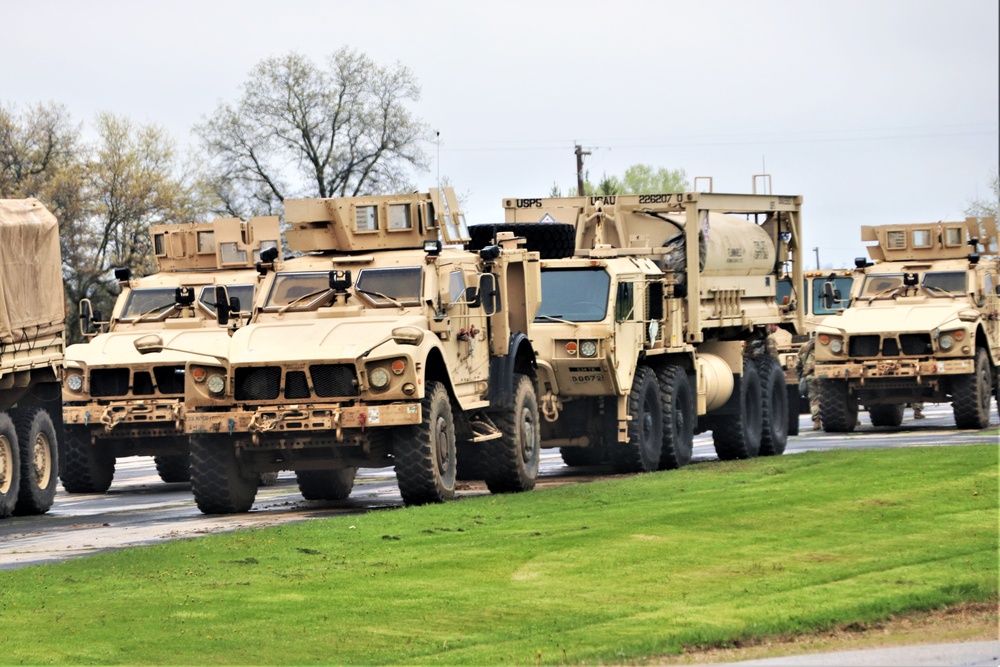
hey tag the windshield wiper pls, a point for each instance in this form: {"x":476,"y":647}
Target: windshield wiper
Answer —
{"x":380,"y":295}
{"x":553,"y":318}
{"x":940,"y":290}
{"x":301,"y":298}
{"x":168,"y":306}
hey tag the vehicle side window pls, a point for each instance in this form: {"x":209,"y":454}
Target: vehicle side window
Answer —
{"x":624,"y":304}
{"x":456,"y":286}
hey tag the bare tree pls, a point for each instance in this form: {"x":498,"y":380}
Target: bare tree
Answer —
{"x":299,"y":130}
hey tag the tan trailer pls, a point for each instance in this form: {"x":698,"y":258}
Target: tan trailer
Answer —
{"x":32,"y":341}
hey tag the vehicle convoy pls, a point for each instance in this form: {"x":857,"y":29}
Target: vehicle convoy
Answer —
{"x":814,"y":309}
{"x":117,"y":403}
{"x":32,"y":342}
{"x":923,"y":326}
{"x":380,"y":346}
{"x":656,"y":326}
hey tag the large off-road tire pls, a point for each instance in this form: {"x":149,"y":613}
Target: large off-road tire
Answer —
{"x":886,"y":415}
{"x":645,"y":428}
{"x":511,"y":461}
{"x":326,"y":484}
{"x":678,"y":417}
{"x":738,"y":436}
{"x":838,"y":407}
{"x":601,"y":430}
{"x":10,"y":466}
{"x":774,"y":404}
{"x":173,"y":468}
{"x":551,"y":240}
{"x":36,"y":437}
{"x":85,"y":467}
{"x":425,"y":453}
{"x":970,"y":394}
{"x":794,"y":408}
{"x":218,"y":481}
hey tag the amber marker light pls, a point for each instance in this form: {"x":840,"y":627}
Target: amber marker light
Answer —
{"x":824,"y":339}
{"x":398,"y":366}
{"x":199,"y":374}
{"x":571,"y":347}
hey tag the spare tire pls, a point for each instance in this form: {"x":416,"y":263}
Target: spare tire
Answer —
{"x":551,"y":240}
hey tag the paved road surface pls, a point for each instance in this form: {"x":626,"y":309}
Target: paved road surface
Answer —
{"x":140,"y":509}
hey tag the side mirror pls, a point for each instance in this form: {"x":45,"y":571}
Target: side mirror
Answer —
{"x":489,"y":295}
{"x":407,"y":336}
{"x":86,"y":317}
{"x":830,"y":296}
{"x":149,"y":344}
{"x":223,"y":305}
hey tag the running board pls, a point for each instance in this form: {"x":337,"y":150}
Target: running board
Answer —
{"x":483,"y":428}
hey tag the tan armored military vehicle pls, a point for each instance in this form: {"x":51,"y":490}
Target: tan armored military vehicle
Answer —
{"x":117,"y":403}
{"x":381,"y":346}
{"x":32,"y":328}
{"x":923,"y":326}
{"x":641,"y":334}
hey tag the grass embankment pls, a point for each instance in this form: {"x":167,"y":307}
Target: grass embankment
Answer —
{"x":602,"y":572}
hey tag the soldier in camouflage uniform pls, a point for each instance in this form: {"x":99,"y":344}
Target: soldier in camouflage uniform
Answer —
{"x":807,"y":380}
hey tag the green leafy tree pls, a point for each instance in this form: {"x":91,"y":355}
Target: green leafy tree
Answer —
{"x":639,"y":179}
{"x":303,"y":130}
{"x":987,"y":206}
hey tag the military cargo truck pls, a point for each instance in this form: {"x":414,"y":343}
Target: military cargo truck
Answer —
{"x":117,"y":403}
{"x":32,"y":341}
{"x":383,"y":345}
{"x":923,"y":326}
{"x":814,"y":309}
{"x":656,"y":327}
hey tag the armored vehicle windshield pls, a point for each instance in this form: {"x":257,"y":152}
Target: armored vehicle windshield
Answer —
{"x":576,"y":295}
{"x":160,"y":303}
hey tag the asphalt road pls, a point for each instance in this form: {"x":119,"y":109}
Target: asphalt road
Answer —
{"x":140,"y":509}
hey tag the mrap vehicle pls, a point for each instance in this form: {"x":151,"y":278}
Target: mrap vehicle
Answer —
{"x":923,"y":326}
{"x":382,"y":345}
{"x":118,"y":403}
{"x":656,"y":326}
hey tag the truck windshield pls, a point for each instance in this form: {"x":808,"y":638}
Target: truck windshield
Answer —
{"x":390,"y":287}
{"x":575,"y":295}
{"x":881,"y":285}
{"x":300,"y":290}
{"x":940,"y":283}
{"x":148,"y":302}
{"x":242,"y":292}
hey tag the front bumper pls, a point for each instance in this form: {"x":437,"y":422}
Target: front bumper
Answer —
{"x":893,"y":368}
{"x":302,"y":418}
{"x":146,"y":418}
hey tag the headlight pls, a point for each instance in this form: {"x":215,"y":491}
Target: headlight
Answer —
{"x":836,"y":346}
{"x":216,"y":384}
{"x":75,"y":382}
{"x":946,"y":342}
{"x":379,"y":378}
{"x":588,"y":348}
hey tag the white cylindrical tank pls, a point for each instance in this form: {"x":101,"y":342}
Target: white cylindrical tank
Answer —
{"x":734,"y":247}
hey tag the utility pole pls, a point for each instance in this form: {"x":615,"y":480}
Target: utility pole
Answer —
{"x":816,"y":250}
{"x":579,"y":168}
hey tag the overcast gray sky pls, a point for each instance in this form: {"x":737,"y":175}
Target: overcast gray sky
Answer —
{"x":876,"y":111}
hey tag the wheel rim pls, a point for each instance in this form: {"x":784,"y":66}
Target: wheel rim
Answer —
{"x":6,"y":465}
{"x":529,"y":445}
{"x":41,"y":459}
{"x":441,"y":445}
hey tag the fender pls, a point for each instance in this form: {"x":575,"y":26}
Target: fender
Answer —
{"x":502,"y":371}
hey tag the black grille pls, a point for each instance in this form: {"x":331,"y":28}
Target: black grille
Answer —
{"x":169,"y":379}
{"x":915,"y":345}
{"x":296,"y":385}
{"x":109,"y":382}
{"x":257,"y":384}
{"x":864,"y":346}
{"x":142,"y":383}
{"x":334,"y":380}
{"x":890,"y":347}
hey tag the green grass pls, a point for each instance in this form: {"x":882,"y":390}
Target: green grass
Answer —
{"x":602,"y":572}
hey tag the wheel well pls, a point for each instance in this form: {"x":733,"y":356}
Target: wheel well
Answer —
{"x":983,"y":342}
{"x":435,"y":370}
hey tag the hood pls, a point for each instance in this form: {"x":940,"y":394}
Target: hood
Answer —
{"x":895,"y":317}
{"x":118,"y":349}
{"x":319,"y":339}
